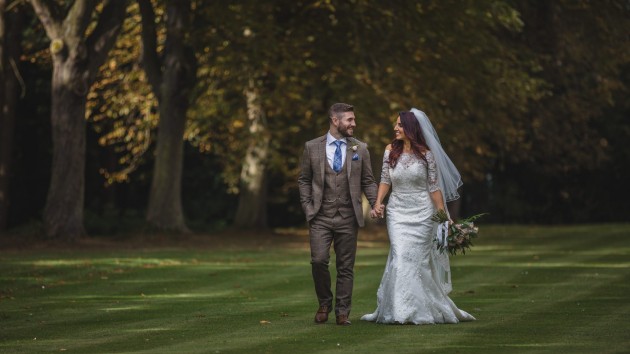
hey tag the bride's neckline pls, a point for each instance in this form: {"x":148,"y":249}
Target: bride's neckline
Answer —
{"x":405,"y":152}
{"x":410,"y":153}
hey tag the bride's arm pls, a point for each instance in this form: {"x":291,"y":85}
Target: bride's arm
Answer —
{"x":434,"y":188}
{"x":437,"y":199}
{"x":383,"y":187}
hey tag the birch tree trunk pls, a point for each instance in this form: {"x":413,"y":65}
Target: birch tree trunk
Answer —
{"x":252,"y":204}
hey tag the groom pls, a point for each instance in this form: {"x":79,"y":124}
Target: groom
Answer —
{"x":335,"y":169}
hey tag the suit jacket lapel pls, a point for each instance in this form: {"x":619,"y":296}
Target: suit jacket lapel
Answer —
{"x":349,"y":153}
{"x":323,"y":159}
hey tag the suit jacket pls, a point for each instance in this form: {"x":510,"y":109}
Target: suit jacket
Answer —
{"x":311,"y":178}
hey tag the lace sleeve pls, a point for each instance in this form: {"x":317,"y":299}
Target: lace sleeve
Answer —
{"x":432,"y":177}
{"x":385,"y":171}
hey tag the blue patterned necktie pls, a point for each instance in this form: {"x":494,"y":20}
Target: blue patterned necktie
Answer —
{"x":337,"y":159}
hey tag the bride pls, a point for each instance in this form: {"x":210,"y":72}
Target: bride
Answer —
{"x":416,"y":281}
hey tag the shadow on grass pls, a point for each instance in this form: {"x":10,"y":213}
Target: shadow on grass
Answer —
{"x":532,"y":290}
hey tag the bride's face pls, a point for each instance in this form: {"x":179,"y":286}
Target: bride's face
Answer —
{"x":399,"y":132}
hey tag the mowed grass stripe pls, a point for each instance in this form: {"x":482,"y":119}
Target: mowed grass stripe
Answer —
{"x":533,"y":290}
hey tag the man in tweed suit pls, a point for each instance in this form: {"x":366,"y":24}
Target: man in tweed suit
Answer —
{"x":335,"y":169}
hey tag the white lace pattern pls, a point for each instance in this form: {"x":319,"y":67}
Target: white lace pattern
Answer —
{"x":412,"y":289}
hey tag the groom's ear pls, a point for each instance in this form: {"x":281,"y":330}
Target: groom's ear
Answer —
{"x":334,"y":120}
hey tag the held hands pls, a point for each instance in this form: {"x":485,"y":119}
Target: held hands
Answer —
{"x":378,"y":211}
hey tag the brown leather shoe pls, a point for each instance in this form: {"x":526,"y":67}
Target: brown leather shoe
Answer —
{"x":322,"y":314}
{"x":342,"y":320}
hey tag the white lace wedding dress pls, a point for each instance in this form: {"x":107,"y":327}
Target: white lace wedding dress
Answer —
{"x":416,"y":280}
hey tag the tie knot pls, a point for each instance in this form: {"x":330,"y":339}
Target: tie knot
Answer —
{"x":338,"y":143}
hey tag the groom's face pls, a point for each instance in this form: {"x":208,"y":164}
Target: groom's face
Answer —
{"x":346,"y":123}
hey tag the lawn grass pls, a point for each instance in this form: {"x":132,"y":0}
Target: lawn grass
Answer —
{"x":532,"y":289}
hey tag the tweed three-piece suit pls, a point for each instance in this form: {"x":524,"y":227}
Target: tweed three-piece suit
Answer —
{"x":332,"y":203}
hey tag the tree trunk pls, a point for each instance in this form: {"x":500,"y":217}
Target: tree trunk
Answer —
{"x":172,"y":85}
{"x":76,"y":59}
{"x":63,"y":214}
{"x":6,"y":126}
{"x":165,"y":203}
{"x":10,"y":50}
{"x":252,"y":204}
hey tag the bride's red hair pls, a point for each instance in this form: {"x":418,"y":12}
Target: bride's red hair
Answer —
{"x":413,"y":132}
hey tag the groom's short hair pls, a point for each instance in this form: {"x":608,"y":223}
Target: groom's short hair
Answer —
{"x":337,"y":108}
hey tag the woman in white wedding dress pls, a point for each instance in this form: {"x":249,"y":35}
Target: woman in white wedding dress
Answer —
{"x":416,"y":282}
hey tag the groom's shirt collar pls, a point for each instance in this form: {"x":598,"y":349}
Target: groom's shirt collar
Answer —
{"x":331,"y":139}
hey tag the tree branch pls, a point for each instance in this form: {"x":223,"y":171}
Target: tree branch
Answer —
{"x":150,"y":61}
{"x":78,"y":18}
{"x":102,"y":39}
{"x":43,"y":11}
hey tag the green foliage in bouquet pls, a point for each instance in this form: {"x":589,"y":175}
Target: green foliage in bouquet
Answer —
{"x":460,"y":234}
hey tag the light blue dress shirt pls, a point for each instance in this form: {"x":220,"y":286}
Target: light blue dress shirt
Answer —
{"x":331,"y":147}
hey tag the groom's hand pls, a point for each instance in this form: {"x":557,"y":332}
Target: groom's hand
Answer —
{"x":381,"y":211}
{"x":378,"y":211}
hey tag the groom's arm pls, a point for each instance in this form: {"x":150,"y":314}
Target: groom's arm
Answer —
{"x":305,"y":182}
{"x":368,"y":183}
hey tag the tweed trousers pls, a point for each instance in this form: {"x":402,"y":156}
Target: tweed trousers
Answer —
{"x":342,"y":234}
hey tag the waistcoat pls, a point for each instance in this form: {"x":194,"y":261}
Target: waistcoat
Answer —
{"x":336,"y":196}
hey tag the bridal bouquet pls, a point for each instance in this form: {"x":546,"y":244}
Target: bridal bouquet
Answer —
{"x":457,"y":236}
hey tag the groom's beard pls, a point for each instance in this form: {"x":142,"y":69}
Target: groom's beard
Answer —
{"x":344,"y":131}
